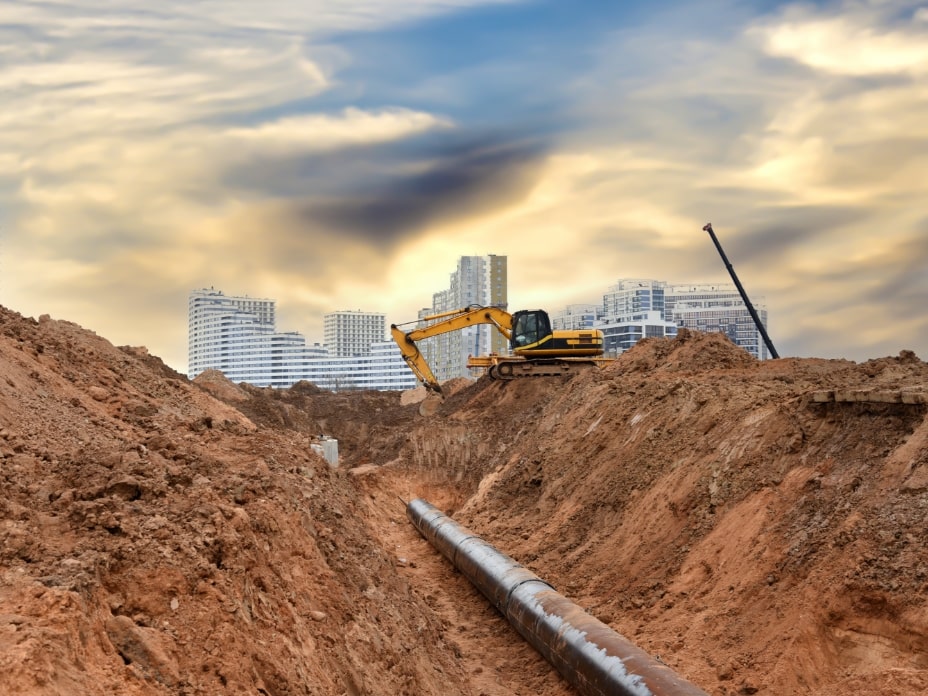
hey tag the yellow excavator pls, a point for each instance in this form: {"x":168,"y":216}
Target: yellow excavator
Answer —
{"x":537,"y":351}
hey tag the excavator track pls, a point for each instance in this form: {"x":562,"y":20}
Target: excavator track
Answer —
{"x":507,"y":370}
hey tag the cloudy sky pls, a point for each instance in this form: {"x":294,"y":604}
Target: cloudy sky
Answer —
{"x":343,"y":154}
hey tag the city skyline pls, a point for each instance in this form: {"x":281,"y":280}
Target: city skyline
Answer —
{"x":333,"y":155}
{"x":619,"y":316}
{"x":238,"y":336}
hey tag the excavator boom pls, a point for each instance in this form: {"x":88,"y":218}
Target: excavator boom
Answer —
{"x":441,"y":323}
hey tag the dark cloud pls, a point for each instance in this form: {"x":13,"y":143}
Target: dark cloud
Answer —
{"x":456,"y":185}
{"x":862,"y":164}
{"x":766,"y":235}
{"x":873,"y":296}
{"x":351,"y":230}
{"x":384,"y":195}
{"x":752,"y":235}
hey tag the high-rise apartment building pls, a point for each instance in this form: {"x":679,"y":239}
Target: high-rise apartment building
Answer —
{"x":232,"y":335}
{"x":717,"y":308}
{"x":633,"y":309}
{"x":348,"y":333}
{"x":576,"y":316}
{"x":631,"y":296}
{"x":238,"y":337}
{"x":477,"y":280}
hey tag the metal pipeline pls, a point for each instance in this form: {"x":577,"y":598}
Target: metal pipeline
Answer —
{"x":596,"y":660}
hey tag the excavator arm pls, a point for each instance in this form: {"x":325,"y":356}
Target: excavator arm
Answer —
{"x":444,"y":322}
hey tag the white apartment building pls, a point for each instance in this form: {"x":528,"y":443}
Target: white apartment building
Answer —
{"x":576,"y":316}
{"x":230,"y":334}
{"x":237,"y":336}
{"x":633,"y":309}
{"x":717,"y":308}
{"x":477,"y":280}
{"x":633,"y":296}
{"x":348,"y":333}
{"x":636,"y":308}
{"x":383,"y":369}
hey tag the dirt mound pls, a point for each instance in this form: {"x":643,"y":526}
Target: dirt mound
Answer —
{"x":714,"y":510}
{"x":449,"y":387}
{"x":689,"y":351}
{"x":413,"y":396}
{"x":220,"y":386}
{"x":154,"y":540}
{"x":452,"y":386}
{"x":756,"y":525}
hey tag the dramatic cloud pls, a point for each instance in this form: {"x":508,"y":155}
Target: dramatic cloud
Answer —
{"x":336,"y":155}
{"x":123,"y":127}
{"x":457,"y":185}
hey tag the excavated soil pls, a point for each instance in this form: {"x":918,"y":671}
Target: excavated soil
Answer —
{"x":758,"y":527}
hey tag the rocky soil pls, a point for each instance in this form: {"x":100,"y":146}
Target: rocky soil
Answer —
{"x":758,"y":526}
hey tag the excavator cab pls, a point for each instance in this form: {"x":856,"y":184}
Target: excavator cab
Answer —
{"x":529,"y":327}
{"x":533,"y":338}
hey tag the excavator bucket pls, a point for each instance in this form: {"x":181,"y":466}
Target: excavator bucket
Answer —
{"x":430,"y":404}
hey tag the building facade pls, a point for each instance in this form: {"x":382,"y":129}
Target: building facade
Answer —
{"x":633,"y":309}
{"x":636,"y":308}
{"x":633,"y":296}
{"x":477,"y":280}
{"x":717,"y":308}
{"x":577,"y":316}
{"x":622,"y":333}
{"x":383,"y":369}
{"x":232,"y":335}
{"x":237,"y":336}
{"x":347,"y":333}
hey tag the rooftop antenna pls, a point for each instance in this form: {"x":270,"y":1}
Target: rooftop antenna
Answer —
{"x":744,"y":295}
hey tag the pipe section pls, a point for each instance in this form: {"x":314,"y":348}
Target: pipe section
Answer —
{"x":596,"y":660}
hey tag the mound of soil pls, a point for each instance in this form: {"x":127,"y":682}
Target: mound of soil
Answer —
{"x":154,"y":540}
{"x":725,"y":514}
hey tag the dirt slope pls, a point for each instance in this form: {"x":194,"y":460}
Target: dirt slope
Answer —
{"x":759,"y":526}
{"x":154,"y":540}
{"x":707,"y":507}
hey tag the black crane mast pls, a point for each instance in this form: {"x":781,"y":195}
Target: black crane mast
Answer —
{"x":744,"y":295}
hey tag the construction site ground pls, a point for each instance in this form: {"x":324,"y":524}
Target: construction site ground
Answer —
{"x":757,"y":526}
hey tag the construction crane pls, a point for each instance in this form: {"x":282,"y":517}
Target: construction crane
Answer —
{"x":744,"y":295}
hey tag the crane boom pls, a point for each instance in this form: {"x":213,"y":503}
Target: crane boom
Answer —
{"x":744,"y":295}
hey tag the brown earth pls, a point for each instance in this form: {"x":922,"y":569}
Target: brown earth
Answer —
{"x":758,"y":526}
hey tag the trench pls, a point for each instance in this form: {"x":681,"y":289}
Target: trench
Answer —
{"x":722,"y":602}
{"x":496,"y":659}
{"x":596,"y":660}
